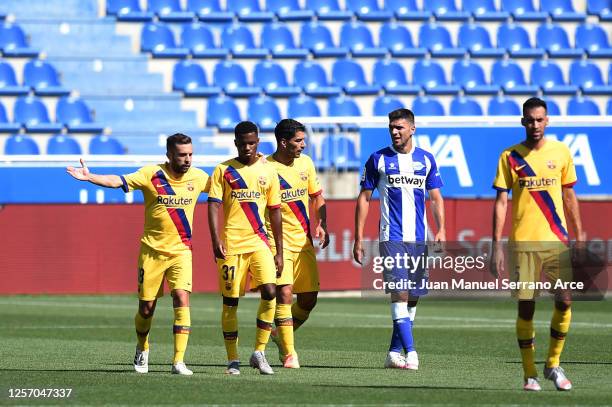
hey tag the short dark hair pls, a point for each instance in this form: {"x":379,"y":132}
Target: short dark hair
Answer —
{"x":401,"y":114}
{"x":175,"y":139}
{"x":245,"y":128}
{"x":286,"y":129}
{"x":532,"y":103}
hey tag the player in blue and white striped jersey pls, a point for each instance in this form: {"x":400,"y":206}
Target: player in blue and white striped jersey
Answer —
{"x":402,"y":173}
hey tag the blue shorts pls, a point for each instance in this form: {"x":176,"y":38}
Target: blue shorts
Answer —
{"x":408,"y":272}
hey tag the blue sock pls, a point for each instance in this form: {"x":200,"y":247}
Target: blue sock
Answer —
{"x":396,"y":341}
{"x":404,"y":329}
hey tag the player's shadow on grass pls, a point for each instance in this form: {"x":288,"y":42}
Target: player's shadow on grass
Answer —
{"x":566,"y":362}
{"x":68,"y":370}
{"x":407,"y":386}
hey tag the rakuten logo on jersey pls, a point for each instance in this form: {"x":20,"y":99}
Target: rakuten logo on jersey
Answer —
{"x":245,"y":195}
{"x":292,"y":194}
{"x":398,"y":180}
{"x":537,"y":183}
{"x":173,"y":201}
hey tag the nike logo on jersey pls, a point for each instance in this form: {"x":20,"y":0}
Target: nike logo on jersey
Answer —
{"x":520,"y":167}
{"x":234,"y":180}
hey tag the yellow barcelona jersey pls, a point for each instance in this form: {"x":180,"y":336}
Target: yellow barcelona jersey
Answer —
{"x":169,"y":205}
{"x":536,"y":178}
{"x":298,"y":182}
{"x":244,"y":191}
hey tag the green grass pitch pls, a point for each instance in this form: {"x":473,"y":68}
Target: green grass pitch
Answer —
{"x":468,"y":355}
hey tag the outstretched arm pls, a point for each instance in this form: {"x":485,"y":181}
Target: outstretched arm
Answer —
{"x":83,"y":174}
{"x":361,"y":213}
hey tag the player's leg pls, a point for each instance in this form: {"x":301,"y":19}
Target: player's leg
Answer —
{"x":301,"y":309}
{"x":282,"y":335}
{"x":142,"y":322}
{"x":412,"y":307}
{"x":525,"y":334}
{"x":232,"y":279}
{"x":179,"y":276}
{"x":305,"y":286}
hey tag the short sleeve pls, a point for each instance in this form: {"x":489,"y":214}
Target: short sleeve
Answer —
{"x":503,"y":178}
{"x":369,"y":178}
{"x":273,"y":198}
{"x":215,"y":192}
{"x":314,"y":186}
{"x":568,"y":172}
{"x":135,"y":180}
{"x":205,"y":183}
{"x":433,"y":180}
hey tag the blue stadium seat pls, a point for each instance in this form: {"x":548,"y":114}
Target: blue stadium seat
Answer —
{"x":398,"y":40}
{"x":303,"y":106}
{"x":189,"y":77}
{"x":553,"y":38}
{"x":127,"y":10}
{"x":465,"y":106}
{"x":523,"y":10}
{"x":209,"y":11}
{"x":470,"y":76}
{"x":20,"y":144}
{"x":32,"y":113}
{"x":43,"y":78}
{"x":390,"y":75}
{"x":484,"y":10}
{"x":328,"y":10}
{"x":104,"y":144}
{"x":8,"y":82}
{"x":445,"y":10}
{"x":5,"y":125}
{"x":170,"y":10}
{"x":601,"y":8}
{"x":476,"y":39}
{"x":249,"y":11}
{"x":342,"y":106}
{"x":436,"y":38}
{"x":581,"y":106}
{"x":383,"y":105}
{"x":271,"y":77}
{"x":63,"y":144}
{"x":368,"y":10}
{"x":231,"y":77}
{"x":594,"y":40}
{"x":609,"y":107}
{"x":311,"y":77}
{"x":266,"y":147}
{"x":222,"y":113}
{"x":278,"y":39}
{"x":430,"y":75}
{"x":357,"y":37}
{"x":427,"y":106}
{"x":199,"y":40}
{"x":503,"y":106}
{"x":264,"y":112}
{"x":552,"y":108}
{"x":289,"y":10}
{"x":339,"y":151}
{"x":317,"y":38}
{"x":515,"y":40}
{"x":13,"y":42}
{"x":76,"y":116}
{"x":547,"y":75}
{"x":587,"y":75}
{"x":349,"y":75}
{"x":407,"y":10}
{"x":158,"y":39}
{"x":239,"y":39}
{"x":509,"y":75}
{"x":562,"y":10}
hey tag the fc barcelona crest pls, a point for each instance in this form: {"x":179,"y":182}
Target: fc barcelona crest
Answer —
{"x":262,"y":180}
{"x":303,"y":176}
{"x":551,"y":164}
{"x":190,"y":186}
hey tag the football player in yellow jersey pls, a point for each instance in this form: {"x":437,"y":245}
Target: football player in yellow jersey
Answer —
{"x":170,"y":192}
{"x":245,"y":186}
{"x":300,"y":188}
{"x":540,"y":174}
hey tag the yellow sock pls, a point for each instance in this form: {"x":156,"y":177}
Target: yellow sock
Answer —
{"x":143,"y":326}
{"x":526,"y":341}
{"x":284,"y":325}
{"x":181,"y":329}
{"x":299,"y":315}
{"x":265,"y":316}
{"x":559,"y":326}
{"x":229,"y":324}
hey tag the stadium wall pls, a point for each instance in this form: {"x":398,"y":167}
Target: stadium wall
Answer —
{"x":69,"y":249}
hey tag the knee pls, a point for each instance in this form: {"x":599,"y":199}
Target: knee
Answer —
{"x":563,"y":305}
{"x":307,"y":302}
{"x":146,"y":309}
{"x":180,"y":298}
{"x":284,"y":294}
{"x":268,"y":291}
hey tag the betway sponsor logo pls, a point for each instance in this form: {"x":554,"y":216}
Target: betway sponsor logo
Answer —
{"x":398,"y":180}
{"x":169,"y":200}
{"x":245,"y":195}
{"x":292,"y":194}
{"x":537,"y":183}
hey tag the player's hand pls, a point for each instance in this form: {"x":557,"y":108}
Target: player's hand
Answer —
{"x":278,"y":261}
{"x":439,"y":241}
{"x":322,"y":234}
{"x":579,"y":250}
{"x":219,"y":250}
{"x":497,"y":260}
{"x":82,"y":174}
{"x":358,"y":252}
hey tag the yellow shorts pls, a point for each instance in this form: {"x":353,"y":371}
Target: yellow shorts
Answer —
{"x":154,"y":266}
{"x":526,"y":267}
{"x":234,"y":268}
{"x":300,"y":269}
